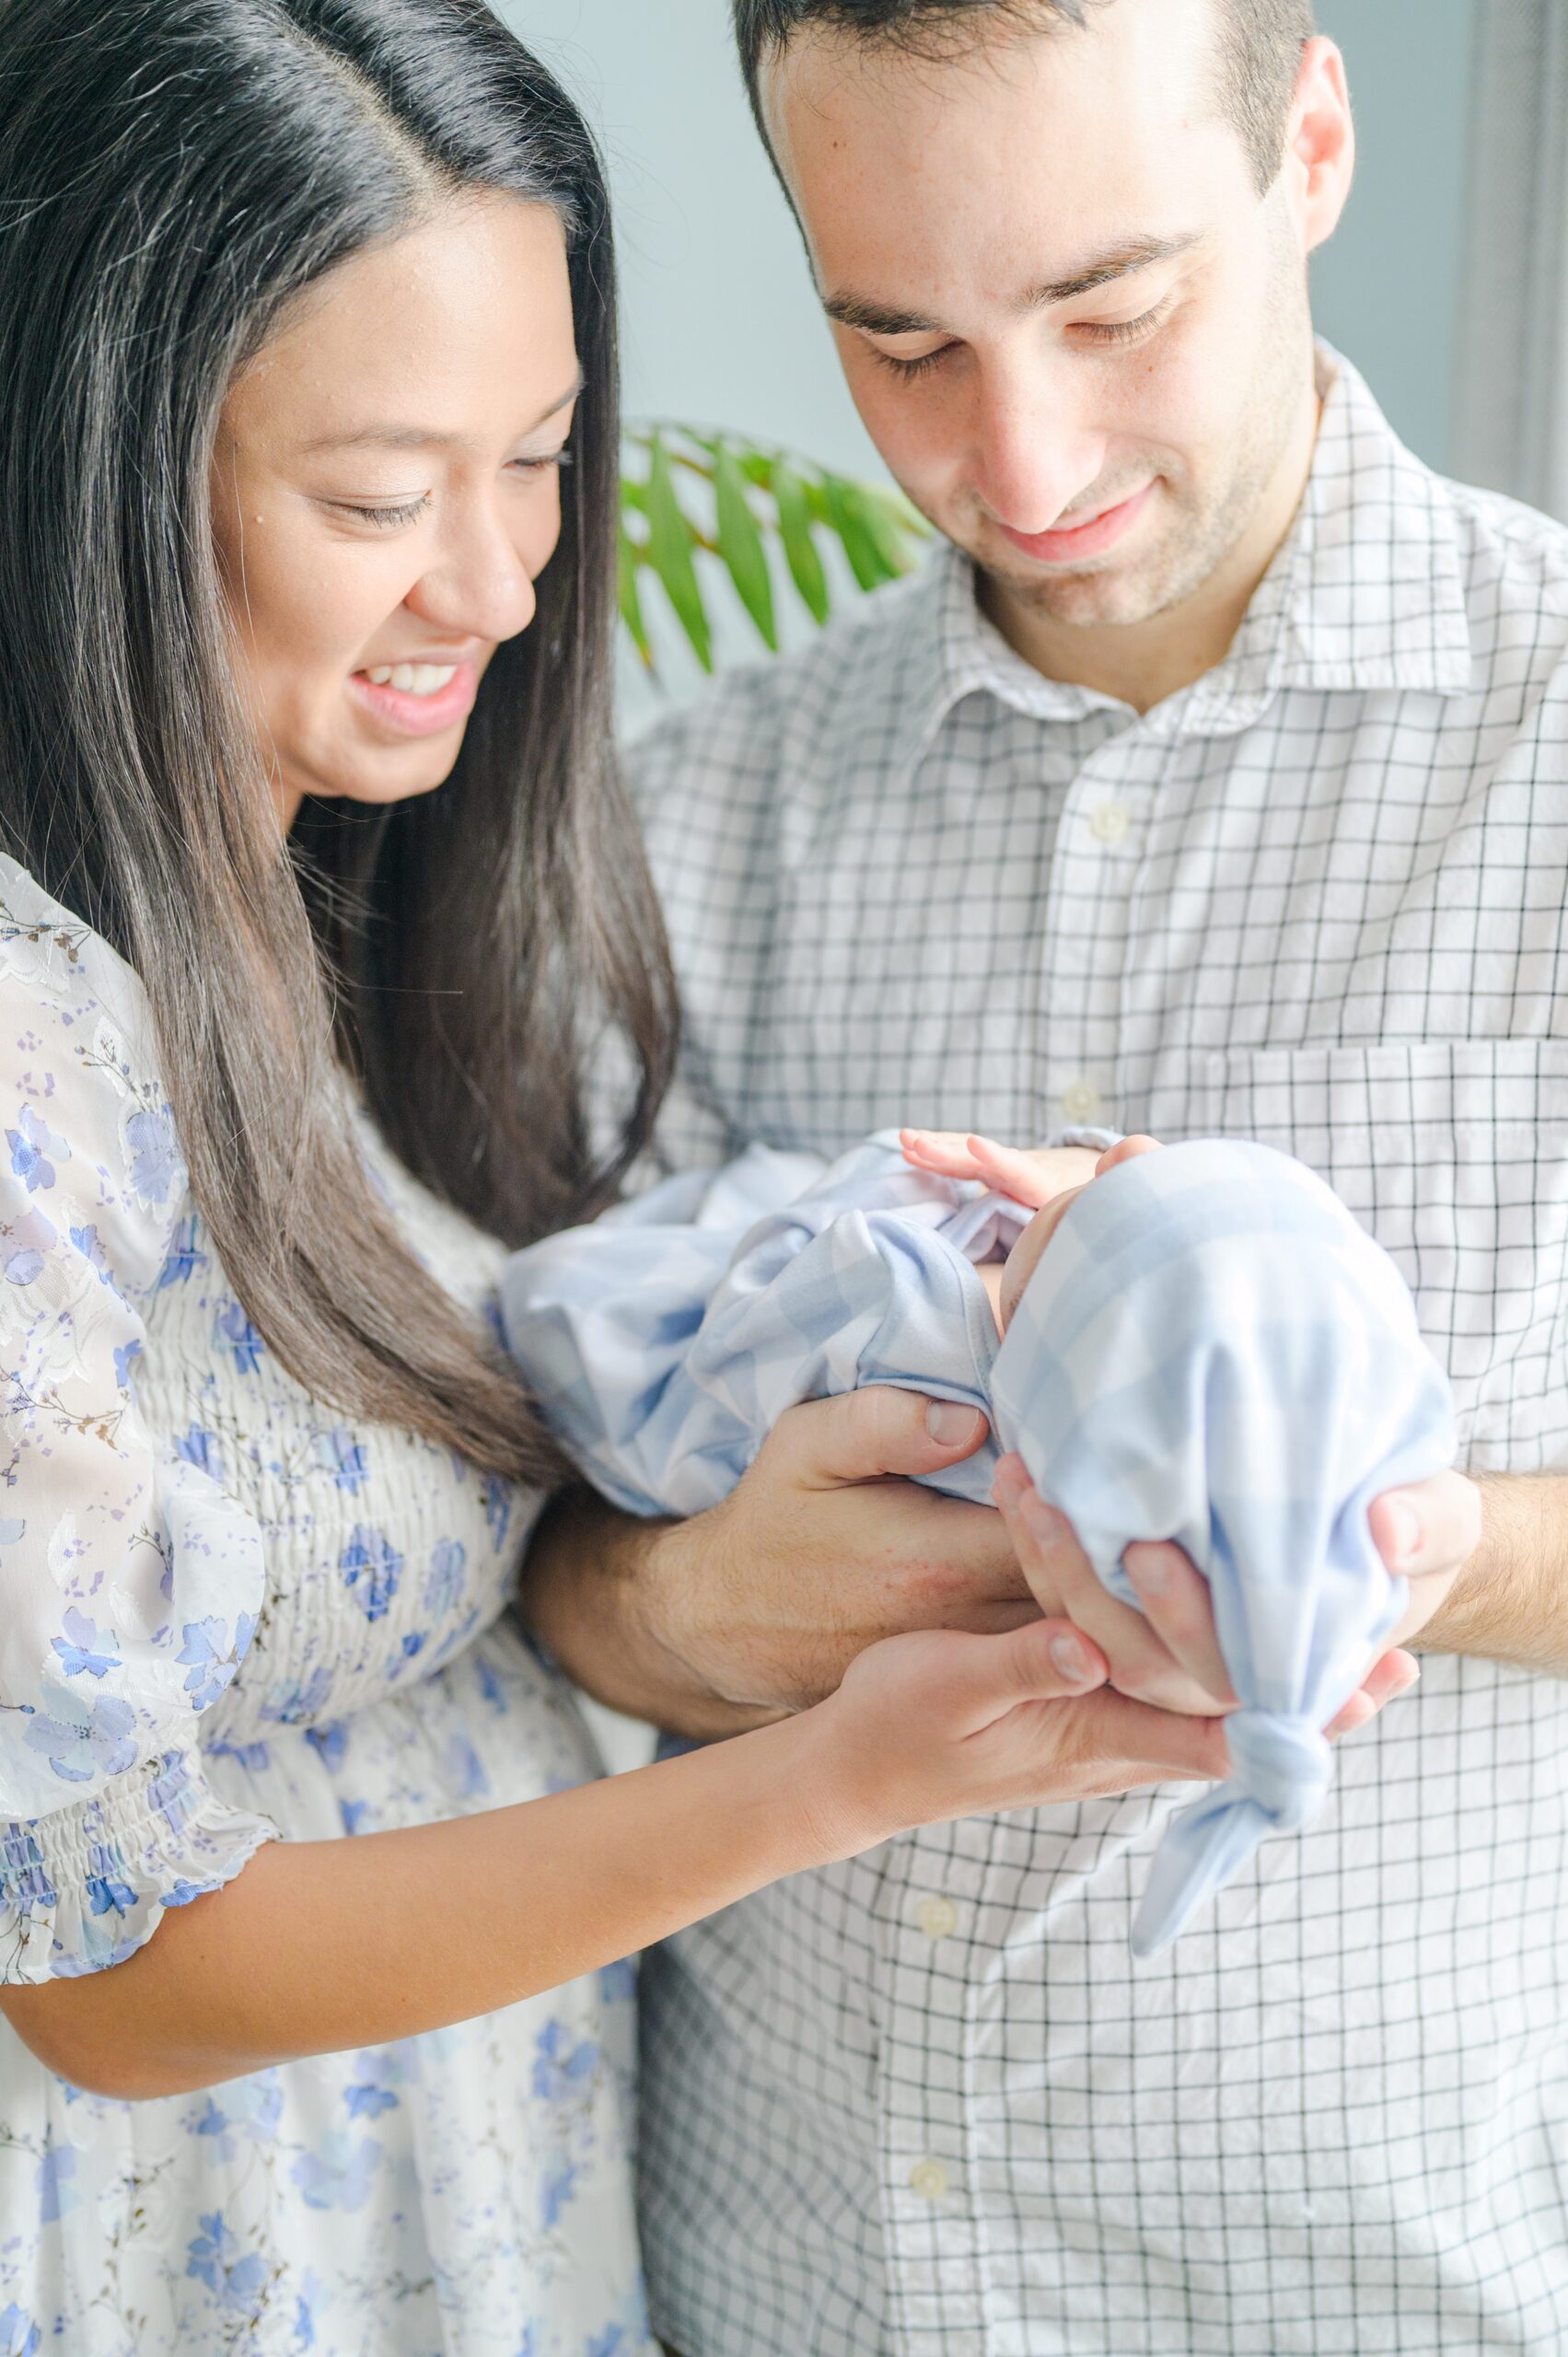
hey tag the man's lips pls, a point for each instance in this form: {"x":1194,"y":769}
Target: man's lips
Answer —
{"x":1074,"y":544}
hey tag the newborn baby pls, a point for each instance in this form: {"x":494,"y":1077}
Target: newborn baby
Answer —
{"x":1198,"y":1343}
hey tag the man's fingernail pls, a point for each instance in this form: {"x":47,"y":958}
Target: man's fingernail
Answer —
{"x":949,"y":1422}
{"x":1404,"y":1528}
{"x":1067,"y":1658}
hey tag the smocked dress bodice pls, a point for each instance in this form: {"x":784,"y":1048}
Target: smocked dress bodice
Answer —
{"x":229,"y":1615}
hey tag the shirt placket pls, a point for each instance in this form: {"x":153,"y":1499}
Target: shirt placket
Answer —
{"x":1088,"y":926}
{"x":933,"y":2222}
{"x":937,"y":1896}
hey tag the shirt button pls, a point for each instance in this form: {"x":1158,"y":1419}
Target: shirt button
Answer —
{"x":937,"y":1918}
{"x":1081,"y":1102}
{"x":1110,"y":823}
{"x":929,"y":2179}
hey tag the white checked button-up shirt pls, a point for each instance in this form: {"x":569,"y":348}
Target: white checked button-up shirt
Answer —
{"x":923,"y":2102}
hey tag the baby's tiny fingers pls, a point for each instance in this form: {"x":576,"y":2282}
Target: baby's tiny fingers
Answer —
{"x":1030,"y":1176}
{"x":946,"y":1151}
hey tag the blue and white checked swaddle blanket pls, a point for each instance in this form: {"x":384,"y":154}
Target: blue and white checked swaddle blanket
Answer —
{"x":1210,"y":1351}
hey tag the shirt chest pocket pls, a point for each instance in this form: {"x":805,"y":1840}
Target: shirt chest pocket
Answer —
{"x":1454,"y":1155}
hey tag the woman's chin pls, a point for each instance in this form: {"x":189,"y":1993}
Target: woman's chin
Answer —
{"x":379,"y":783}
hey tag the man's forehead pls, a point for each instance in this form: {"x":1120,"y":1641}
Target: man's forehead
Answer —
{"x":1137,"y":75}
{"x":1030,"y":167}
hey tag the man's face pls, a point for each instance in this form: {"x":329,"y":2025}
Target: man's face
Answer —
{"x":1077,"y":333}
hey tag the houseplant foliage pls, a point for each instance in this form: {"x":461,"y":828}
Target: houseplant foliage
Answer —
{"x":687,"y":495}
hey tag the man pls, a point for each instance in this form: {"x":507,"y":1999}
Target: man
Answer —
{"x":1209,"y":781}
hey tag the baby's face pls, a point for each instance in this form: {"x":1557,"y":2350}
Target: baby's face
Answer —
{"x":1026,"y":1256}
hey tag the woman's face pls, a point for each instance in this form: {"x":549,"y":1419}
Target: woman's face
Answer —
{"x":386,"y":490}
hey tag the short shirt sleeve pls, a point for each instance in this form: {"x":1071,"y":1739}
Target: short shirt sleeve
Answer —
{"x":130,"y":1582}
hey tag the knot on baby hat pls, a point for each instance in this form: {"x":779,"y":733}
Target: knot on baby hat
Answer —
{"x":1284,"y":1765}
{"x":1211,"y":1351}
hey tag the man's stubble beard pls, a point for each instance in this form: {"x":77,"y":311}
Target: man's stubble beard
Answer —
{"x":1201,"y":536}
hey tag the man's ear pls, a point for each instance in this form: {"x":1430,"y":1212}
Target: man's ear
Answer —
{"x":1320,"y":149}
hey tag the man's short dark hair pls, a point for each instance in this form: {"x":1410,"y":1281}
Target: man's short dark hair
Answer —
{"x":1260,"y":47}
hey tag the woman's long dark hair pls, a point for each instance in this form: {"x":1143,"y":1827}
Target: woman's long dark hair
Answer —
{"x":171,"y":175}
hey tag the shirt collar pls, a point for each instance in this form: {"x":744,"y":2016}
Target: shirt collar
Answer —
{"x":1366,"y":593}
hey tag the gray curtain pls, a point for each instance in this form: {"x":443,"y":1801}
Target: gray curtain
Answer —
{"x":1511,"y":424}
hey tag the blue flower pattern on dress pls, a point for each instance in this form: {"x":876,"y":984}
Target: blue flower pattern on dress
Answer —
{"x":372,"y":1566}
{"x":230,"y":1614}
{"x":20,"y":2335}
{"x":82,"y":1650}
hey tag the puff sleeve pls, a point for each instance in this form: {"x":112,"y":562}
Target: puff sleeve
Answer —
{"x":130,"y":1582}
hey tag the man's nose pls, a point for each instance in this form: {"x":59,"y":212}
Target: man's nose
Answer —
{"x":1033,"y":456}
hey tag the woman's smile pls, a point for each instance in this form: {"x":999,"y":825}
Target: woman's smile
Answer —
{"x":416,"y":699}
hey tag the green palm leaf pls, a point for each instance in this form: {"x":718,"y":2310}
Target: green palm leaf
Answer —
{"x":697,"y":508}
{"x":740,"y":545}
{"x":801,"y":551}
{"x":670,"y":544}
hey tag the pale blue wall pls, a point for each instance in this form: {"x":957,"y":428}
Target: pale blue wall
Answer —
{"x":1387,"y":288}
{"x":720,"y":322}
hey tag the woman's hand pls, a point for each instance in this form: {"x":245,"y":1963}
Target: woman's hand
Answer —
{"x":1169,"y":1654}
{"x":938,"y":1725}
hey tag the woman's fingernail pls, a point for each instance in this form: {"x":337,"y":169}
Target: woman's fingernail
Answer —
{"x":1067,"y":1658}
{"x":949,"y":1422}
{"x":1044,"y":1522}
{"x":1150,"y":1575}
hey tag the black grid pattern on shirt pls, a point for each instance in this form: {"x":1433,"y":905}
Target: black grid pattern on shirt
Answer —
{"x":1328,"y":911}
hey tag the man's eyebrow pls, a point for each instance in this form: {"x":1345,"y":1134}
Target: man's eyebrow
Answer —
{"x":1102,"y":270}
{"x":1119,"y":261}
{"x":421,"y":438}
{"x":875,"y":319}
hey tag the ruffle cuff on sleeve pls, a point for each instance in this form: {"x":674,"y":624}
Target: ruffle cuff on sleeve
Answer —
{"x":84,"y":1889}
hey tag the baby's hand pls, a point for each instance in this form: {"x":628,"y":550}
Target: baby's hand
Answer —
{"x":1032,"y":1176}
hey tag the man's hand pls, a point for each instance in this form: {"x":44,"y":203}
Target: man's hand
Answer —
{"x":827,"y":1545}
{"x":1168,"y":1652}
{"x":759,"y":1605}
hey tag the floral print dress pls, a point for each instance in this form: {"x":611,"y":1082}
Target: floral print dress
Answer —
{"x":228,"y":1616}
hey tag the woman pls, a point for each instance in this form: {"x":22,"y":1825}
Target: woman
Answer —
{"x":309,"y":459}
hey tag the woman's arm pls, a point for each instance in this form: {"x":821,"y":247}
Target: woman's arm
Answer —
{"x":321,"y":1945}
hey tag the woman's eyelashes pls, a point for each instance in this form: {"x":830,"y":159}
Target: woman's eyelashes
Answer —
{"x":1105,"y":334}
{"x":386,"y":519}
{"x":393,"y":517}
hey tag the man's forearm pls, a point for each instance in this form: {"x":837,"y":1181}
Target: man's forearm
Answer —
{"x":590,"y":1594}
{"x":1510,"y":1603}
